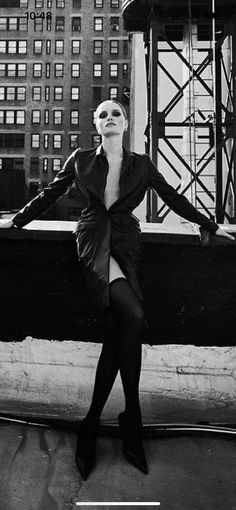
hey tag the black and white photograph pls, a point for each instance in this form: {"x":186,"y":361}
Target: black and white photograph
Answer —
{"x":117,"y":254}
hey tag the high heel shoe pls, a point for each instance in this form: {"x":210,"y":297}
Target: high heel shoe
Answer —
{"x":85,"y":456}
{"x":131,"y":433}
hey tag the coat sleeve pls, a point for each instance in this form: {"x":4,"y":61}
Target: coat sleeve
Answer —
{"x":49,"y":195}
{"x":178,"y":203}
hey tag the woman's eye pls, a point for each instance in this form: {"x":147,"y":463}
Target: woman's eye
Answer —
{"x":116,"y":113}
{"x":103,"y":115}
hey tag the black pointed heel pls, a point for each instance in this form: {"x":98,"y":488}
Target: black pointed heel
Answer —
{"x":85,"y":456}
{"x":131,"y":433}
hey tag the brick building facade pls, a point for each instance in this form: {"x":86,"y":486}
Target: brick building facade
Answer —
{"x":58,"y":60}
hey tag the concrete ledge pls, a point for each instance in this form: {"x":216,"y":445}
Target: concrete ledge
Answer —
{"x":178,"y":383}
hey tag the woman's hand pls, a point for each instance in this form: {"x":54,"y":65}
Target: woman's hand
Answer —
{"x":223,"y":233}
{"x":6,"y":224}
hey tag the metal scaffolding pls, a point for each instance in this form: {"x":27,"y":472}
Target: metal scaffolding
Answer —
{"x":202,"y":38}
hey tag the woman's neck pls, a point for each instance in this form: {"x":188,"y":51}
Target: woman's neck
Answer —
{"x":113,"y":146}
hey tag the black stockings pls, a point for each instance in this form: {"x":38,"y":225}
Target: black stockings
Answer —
{"x":122,"y":350}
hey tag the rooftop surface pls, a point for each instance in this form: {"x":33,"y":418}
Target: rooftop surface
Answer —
{"x":188,"y":472}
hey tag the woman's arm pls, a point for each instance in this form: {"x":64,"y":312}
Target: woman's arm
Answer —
{"x":179,"y":203}
{"x":49,"y":195}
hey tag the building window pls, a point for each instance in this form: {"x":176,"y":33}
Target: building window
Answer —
{"x":125,"y":70}
{"x":35,"y":141}
{"x":59,"y":47}
{"x":12,"y":93}
{"x":38,"y":4}
{"x":49,"y":4}
{"x":46,"y":116}
{"x":20,"y":93}
{"x":47,"y":70}
{"x":37,"y":70}
{"x":60,"y":24}
{"x":74,"y":117}
{"x":45,"y":165}
{"x":47,"y":93}
{"x":14,"y":141}
{"x":113,"y":93}
{"x":113,"y":70}
{"x":75,"y":70}
{"x":57,"y":141}
{"x":48,"y":24}
{"x":97,"y":93}
{"x":125,"y":47}
{"x":38,"y":25}
{"x":76,"y":47}
{"x":56,"y":164}
{"x":98,"y":24}
{"x":75,"y":93}
{"x":97,"y":70}
{"x":48,"y":47}
{"x":38,"y":47}
{"x":97,"y":47}
{"x":46,"y":141}
{"x":76,"y":24}
{"x":74,"y":141}
{"x":36,"y":93}
{"x":23,"y":24}
{"x":96,"y":140}
{"x":21,"y":70}
{"x":58,"y":93}
{"x":98,"y":4}
{"x":76,"y":4}
{"x":36,"y":117}
{"x":24,"y":3}
{"x":60,"y":4}
{"x":17,"y":47}
{"x":57,"y":117}
{"x":114,"y":23}
{"x":58,"y":70}
{"x":114,"y":47}
{"x":114,"y":4}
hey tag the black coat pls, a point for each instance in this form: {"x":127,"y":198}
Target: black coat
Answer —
{"x":99,"y":231}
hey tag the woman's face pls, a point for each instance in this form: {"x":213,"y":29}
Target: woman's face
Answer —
{"x":110,"y":119}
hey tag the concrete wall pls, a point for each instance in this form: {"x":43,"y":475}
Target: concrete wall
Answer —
{"x":179,"y":383}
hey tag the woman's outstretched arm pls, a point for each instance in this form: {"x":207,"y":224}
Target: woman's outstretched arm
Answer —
{"x":179,"y":203}
{"x":49,"y":195}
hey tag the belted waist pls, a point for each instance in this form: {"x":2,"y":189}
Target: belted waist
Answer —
{"x":118,"y":218}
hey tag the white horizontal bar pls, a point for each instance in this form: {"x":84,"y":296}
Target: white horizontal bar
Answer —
{"x":112,"y":503}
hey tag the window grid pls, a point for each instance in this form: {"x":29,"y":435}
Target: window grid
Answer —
{"x":59,"y":47}
{"x":57,"y":117}
{"x":58,"y":93}
{"x":76,"y":24}
{"x":76,"y":47}
{"x":56,"y":164}
{"x":97,"y":70}
{"x":37,"y":70}
{"x":98,"y":24}
{"x":75,"y":93}
{"x":114,"y":47}
{"x":35,"y":141}
{"x":36,"y":116}
{"x":97,"y":47}
{"x":57,"y":141}
{"x":113,"y":70}
{"x":75,"y":70}
{"x":74,"y":117}
{"x":58,"y":70}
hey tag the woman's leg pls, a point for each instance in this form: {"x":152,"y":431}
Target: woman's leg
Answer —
{"x":107,"y":368}
{"x":129,"y":313}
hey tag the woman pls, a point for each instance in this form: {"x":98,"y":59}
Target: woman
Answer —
{"x":112,"y":182}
